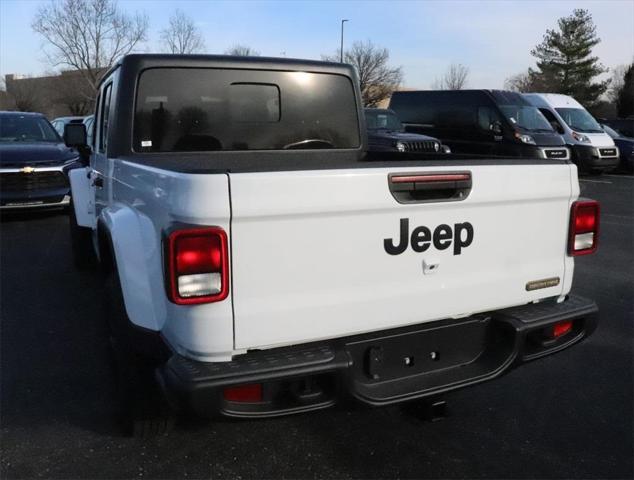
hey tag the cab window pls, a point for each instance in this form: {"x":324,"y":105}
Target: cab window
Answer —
{"x":227,"y":109}
{"x":104,"y":117}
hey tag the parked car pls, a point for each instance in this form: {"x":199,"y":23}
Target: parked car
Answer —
{"x":34,"y":162}
{"x":484,"y":122}
{"x":626,"y":148}
{"x":387,"y":134}
{"x":257,"y":263}
{"x":625,"y":126}
{"x":592,"y":149}
{"x":60,"y":122}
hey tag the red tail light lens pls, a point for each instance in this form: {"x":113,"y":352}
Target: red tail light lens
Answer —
{"x":561,"y":328}
{"x":584,"y":228}
{"x":244,"y":393}
{"x":198,"y":266}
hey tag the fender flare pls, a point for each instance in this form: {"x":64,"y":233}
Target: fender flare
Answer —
{"x":127,"y":240}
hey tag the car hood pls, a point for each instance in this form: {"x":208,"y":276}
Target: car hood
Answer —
{"x":20,"y":154}
{"x":399,"y":136}
{"x":547,"y":139}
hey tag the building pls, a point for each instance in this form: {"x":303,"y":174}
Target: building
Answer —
{"x":53,"y":95}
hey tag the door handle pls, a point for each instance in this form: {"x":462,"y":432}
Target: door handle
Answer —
{"x":430,"y":187}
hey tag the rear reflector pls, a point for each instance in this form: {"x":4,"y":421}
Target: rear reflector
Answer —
{"x":245,"y":393}
{"x":561,"y":328}
{"x":197,"y":265}
{"x":584,"y":228}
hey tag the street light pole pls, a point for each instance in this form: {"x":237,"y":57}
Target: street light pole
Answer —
{"x":342,"y":22}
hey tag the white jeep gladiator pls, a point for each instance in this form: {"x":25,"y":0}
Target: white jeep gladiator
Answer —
{"x":259,"y":262}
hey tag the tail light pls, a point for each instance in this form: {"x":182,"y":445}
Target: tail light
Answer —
{"x":197,"y":266}
{"x":244,"y":393}
{"x":560,"y":329}
{"x":584,"y":228}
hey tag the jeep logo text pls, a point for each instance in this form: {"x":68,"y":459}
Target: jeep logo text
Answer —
{"x":443,"y":236}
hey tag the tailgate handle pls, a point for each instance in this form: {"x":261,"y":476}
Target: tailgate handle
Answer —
{"x":430,"y":187}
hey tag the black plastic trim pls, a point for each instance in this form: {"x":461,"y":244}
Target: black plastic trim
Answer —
{"x":290,"y":161}
{"x":477,"y":348}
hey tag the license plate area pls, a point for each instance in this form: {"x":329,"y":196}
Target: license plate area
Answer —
{"x":429,"y":359}
{"x":420,"y":352}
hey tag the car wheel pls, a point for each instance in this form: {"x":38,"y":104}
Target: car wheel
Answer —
{"x":83,"y":252}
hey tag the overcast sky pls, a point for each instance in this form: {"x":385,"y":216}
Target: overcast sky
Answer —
{"x":492,"y":38}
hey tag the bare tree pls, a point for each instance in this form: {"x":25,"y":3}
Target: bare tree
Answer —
{"x":25,"y":94}
{"x":71,"y":90}
{"x":88,"y":35}
{"x":526,"y":82}
{"x":455,"y":78}
{"x":377,"y":79}
{"x":242,"y":51}
{"x":617,"y":82}
{"x":182,"y":35}
{"x":520,"y":82}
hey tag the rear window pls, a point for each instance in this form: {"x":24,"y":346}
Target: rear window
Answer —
{"x":196,"y":109}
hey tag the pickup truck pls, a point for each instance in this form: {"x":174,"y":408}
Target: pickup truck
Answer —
{"x":257,"y":261}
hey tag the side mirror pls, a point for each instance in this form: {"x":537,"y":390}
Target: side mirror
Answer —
{"x":496,"y":128}
{"x":75,"y":135}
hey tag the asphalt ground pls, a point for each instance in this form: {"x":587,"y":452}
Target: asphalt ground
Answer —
{"x":565,"y":416}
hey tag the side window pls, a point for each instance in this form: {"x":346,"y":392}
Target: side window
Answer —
{"x":103,"y":118}
{"x":92,"y":135}
{"x":89,"y":130}
{"x":552,"y":120}
{"x":487,"y":117}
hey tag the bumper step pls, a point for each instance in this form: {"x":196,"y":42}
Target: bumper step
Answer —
{"x":383,"y":367}
{"x":257,"y":366}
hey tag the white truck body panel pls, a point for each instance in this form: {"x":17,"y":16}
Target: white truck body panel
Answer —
{"x":309,"y":262}
{"x":148,"y":201}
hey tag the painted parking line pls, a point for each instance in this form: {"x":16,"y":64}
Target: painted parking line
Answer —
{"x":630,"y":177}
{"x":595,"y":181}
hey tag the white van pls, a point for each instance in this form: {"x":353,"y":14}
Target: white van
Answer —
{"x":592,"y":149}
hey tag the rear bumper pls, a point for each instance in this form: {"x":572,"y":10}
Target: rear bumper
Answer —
{"x":381,"y":368}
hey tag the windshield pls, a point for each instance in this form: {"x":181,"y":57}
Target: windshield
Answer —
{"x":376,"y":120}
{"x":26,"y":128}
{"x":526,"y":118}
{"x":204,"y":109}
{"x":579,"y":119}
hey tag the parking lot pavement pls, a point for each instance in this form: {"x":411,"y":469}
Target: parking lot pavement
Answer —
{"x":565,"y":416}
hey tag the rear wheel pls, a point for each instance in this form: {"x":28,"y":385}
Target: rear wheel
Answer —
{"x":81,"y":244}
{"x":143,"y":410}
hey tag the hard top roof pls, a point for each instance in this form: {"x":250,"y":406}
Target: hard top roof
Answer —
{"x":156,"y":60}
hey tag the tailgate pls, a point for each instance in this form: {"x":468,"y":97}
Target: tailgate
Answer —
{"x":322,"y":254}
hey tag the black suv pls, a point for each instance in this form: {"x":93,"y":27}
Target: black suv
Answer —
{"x":33,"y":162}
{"x":387,"y":134}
